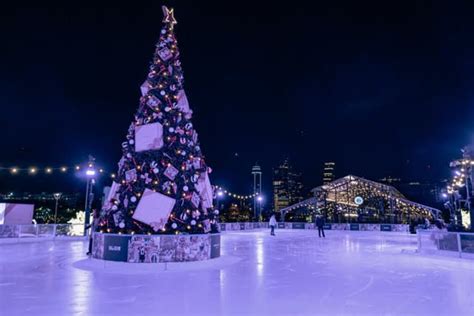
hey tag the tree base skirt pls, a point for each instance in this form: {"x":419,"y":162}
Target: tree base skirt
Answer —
{"x":155,"y":248}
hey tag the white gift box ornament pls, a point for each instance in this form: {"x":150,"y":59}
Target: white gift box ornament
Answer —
{"x":121,"y":163}
{"x":204,"y":188}
{"x":165,"y":54}
{"x":112,"y":195}
{"x":154,"y":209}
{"x":197,"y":163}
{"x":153,"y":101}
{"x":171,"y":172}
{"x":131,"y":175}
{"x":148,"y":137}
{"x":195,"y":199}
{"x":183,"y":104}
{"x":206,"y":225}
{"x":144,"y":88}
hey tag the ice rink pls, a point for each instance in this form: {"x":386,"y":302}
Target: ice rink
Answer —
{"x":293,"y":273}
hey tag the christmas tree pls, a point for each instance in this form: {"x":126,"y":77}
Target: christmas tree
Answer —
{"x":162,"y":185}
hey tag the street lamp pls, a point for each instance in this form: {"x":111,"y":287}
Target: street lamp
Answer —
{"x":57,"y":197}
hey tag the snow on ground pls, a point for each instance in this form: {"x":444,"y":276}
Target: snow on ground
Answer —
{"x":293,"y":273}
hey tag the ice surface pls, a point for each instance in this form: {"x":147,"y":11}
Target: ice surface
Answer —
{"x":294,"y":273}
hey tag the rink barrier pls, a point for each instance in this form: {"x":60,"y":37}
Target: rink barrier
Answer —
{"x":441,"y":242}
{"x":327,"y":226}
{"x":52,"y":231}
{"x":155,"y":248}
{"x":44,"y":231}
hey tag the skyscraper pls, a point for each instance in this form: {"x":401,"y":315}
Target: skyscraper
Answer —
{"x":328,"y":172}
{"x":287,"y":186}
{"x":257,"y":189}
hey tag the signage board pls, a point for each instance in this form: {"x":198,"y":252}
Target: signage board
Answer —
{"x":327,"y":226}
{"x":354,"y":226}
{"x":298,"y":226}
{"x":215,"y":245}
{"x":116,"y":247}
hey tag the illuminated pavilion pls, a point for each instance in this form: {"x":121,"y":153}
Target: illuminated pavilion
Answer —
{"x":355,"y":199}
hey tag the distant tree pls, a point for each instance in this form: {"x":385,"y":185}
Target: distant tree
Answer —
{"x":43,"y":215}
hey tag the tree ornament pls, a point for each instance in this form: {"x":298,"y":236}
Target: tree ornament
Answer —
{"x":169,"y":17}
{"x":131,"y":175}
{"x":171,"y":172}
{"x":174,"y":225}
{"x":193,"y":222}
{"x":133,"y":199}
{"x":165,"y":54}
{"x":122,"y":225}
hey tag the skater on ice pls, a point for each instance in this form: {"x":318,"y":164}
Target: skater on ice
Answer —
{"x":272,"y":224}
{"x":320,"y":224}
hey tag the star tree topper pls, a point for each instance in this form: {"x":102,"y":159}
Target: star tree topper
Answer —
{"x":169,"y":16}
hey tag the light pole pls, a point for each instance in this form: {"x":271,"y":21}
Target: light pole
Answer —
{"x":220,"y":194}
{"x":90,"y":175}
{"x":259,"y":200}
{"x":57,"y":197}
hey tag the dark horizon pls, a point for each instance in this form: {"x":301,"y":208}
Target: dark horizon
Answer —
{"x":382,"y":91}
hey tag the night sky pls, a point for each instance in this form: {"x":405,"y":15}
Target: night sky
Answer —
{"x":382,"y":88}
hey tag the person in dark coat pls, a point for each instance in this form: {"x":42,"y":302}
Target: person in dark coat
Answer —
{"x":92,"y":226}
{"x":320,"y":224}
